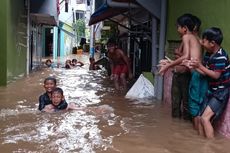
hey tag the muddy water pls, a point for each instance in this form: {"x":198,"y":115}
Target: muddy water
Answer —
{"x":107,"y":123}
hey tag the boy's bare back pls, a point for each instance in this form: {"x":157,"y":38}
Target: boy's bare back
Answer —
{"x":192,"y":46}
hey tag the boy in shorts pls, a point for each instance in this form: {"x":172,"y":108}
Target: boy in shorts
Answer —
{"x":190,"y":48}
{"x":216,"y":68}
{"x":120,"y":65}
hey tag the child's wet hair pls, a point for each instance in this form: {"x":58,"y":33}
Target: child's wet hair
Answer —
{"x":91,"y":59}
{"x":213,"y":34}
{"x":57,"y":90}
{"x":48,"y":60}
{"x":50,"y":79}
{"x":186,"y":20}
{"x":197,"y":23}
{"x":74,"y":60}
{"x":112,"y":41}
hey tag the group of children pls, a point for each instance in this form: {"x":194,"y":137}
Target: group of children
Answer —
{"x":200,"y":82}
{"x":53,"y":100}
{"x":74,"y":63}
{"x":200,"y":87}
{"x":68,"y":63}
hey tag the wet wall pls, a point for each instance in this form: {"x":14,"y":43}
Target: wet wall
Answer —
{"x":16,"y":38}
{"x":3,"y":17}
{"x":211,"y":13}
{"x":12,"y":40}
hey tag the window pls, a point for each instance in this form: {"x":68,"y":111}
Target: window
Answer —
{"x":80,"y":15}
{"x":80,"y":1}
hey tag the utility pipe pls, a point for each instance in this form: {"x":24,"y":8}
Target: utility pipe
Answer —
{"x":159,"y":79}
{"x":92,"y":38}
{"x":28,"y":40}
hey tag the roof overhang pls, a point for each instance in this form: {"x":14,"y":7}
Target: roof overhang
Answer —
{"x":43,"y":19}
{"x":105,"y":12}
{"x":112,"y":8}
{"x":44,"y":11}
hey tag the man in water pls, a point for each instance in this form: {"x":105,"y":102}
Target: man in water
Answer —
{"x":119,"y":63}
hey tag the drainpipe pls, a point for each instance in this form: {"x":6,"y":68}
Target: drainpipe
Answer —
{"x":121,"y":5}
{"x":28,"y":39}
{"x":159,"y":79}
{"x":92,"y":38}
{"x":154,"y":47}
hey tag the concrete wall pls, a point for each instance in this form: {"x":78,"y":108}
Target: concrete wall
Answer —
{"x":3,"y":44}
{"x":67,"y":17}
{"x":211,"y":13}
{"x":12,"y":40}
{"x":16,"y":32}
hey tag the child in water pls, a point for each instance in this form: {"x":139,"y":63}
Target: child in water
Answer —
{"x":49,"y":63}
{"x":75,"y":63}
{"x":68,"y":64}
{"x":57,"y":99}
{"x":92,"y":65}
{"x":53,"y":100}
{"x":45,"y":99}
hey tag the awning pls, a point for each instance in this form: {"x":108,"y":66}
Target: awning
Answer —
{"x":105,"y":12}
{"x":43,"y":19}
{"x":44,"y":12}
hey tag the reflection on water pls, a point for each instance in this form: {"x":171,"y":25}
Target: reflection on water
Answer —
{"x":107,"y":123}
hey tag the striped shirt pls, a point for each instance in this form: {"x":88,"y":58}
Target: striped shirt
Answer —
{"x":218,"y":62}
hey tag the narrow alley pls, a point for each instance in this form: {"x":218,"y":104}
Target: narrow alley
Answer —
{"x":123,"y":125}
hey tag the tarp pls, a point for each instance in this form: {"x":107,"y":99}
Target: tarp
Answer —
{"x":105,"y":12}
{"x":142,"y":88}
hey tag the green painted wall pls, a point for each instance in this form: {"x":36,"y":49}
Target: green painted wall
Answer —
{"x":3,"y":48}
{"x":13,"y":30}
{"x":211,"y":13}
{"x":16,"y":38}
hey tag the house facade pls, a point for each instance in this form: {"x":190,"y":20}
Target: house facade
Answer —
{"x":22,"y":36}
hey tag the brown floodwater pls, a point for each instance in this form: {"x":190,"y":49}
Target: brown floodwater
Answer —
{"x":120,"y":126}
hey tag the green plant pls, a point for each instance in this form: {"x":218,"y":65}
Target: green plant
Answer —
{"x":113,"y":32}
{"x":80,"y":29}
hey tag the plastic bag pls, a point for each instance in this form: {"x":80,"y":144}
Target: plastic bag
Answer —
{"x":142,"y":88}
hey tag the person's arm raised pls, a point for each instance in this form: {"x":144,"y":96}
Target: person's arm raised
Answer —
{"x":185,"y":55}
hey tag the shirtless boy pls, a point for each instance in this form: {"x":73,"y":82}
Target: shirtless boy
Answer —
{"x":191,"y":49}
{"x":119,"y":65}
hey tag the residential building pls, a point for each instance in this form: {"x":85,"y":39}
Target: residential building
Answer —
{"x":22,"y":38}
{"x":70,"y":36}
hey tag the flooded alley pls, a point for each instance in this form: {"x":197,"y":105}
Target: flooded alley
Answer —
{"x":121,"y":125}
